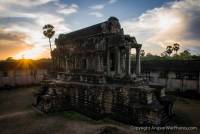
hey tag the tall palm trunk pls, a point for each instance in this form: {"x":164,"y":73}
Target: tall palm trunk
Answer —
{"x":52,"y":63}
{"x":50,"y":44}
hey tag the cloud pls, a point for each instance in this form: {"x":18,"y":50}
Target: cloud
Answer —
{"x":96,"y":14}
{"x":34,"y":28}
{"x":69,"y":9}
{"x":173,"y":22}
{"x":12,"y":43}
{"x":26,"y":23}
{"x":11,"y":36}
{"x":112,"y":1}
{"x":97,"y":7}
{"x":26,"y":3}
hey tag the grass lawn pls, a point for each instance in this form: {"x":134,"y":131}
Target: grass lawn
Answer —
{"x":187,"y":112}
{"x":18,"y":117}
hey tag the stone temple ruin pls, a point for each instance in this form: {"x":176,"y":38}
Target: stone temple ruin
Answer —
{"x":94,"y":77}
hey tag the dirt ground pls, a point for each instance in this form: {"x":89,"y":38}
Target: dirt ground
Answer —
{"x":18,"y":117}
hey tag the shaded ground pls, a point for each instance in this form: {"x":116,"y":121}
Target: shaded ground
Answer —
{"x":18,"y":117}
{"x":187,"y":112}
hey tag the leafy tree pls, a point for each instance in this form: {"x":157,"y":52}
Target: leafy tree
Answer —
{"x":10,"y":59}
{"x":142,"y":53}
{"x":163,"y":54}
{"x":49,"y":32}
{"x":186,"y":52}
{"x":185,"y":55}
{"x":149,"y":54}
{"x":195,"y":57}
{"x":176,"y":47}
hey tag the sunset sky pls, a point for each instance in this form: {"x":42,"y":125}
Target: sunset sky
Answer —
{"x":154,"y":23}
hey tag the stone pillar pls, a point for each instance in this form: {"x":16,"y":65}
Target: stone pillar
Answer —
{"x":98,"y":63}
{"x":75,"y":62}
{"x":199,"y":83}
{"x":122,"y":61}
{"x":101,"y":62}
{"x":128,"y":61}
{"x":108,"y":61}
{"x":138,"y":66}
{"x":117,"y":60}
{"x":66,"y":66}
{"x":86,"y":60}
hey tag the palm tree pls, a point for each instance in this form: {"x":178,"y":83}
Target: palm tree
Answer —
{"x":49,"y":32}
{"x":163,"y":54}
{"x":176,"y":47}
{"x":169,"y":50}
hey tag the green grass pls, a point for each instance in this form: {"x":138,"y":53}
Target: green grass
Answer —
{"x":71,"y":115}
{"x":75,"y":116}
{"x":187,"y":112}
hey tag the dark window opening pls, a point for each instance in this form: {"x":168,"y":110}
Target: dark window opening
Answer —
{"x":147,"y":75}
{"x":5,"y":74}
{"x":84,"y":63}
{"x":163,"y":75}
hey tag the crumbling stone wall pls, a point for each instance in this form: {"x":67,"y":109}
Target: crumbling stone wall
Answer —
{"x":125,"y":104}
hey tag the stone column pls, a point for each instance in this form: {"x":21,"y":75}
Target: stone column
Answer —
{"x":98,"y":63}
{"x":86,"y":60}
{"x":108,"y":61}
{"x":138,"y":66}
{"x":128,"y":61}
{"x":101,"y":62}
{"x":199,"y":83}
{"x":117,"y":60}
{"x":75,"y":63}
{"x":66,"y":65}
{"x":122,"y":61}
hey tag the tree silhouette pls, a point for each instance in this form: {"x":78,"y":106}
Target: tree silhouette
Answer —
{"x":176,"y":47}
{"x":10,"y":59}
{"x":169,"y":50}
{"x":185,"y":55}
{"x":49,"y":32}
{"x":142,"y":53}
{"x":163,"y":54}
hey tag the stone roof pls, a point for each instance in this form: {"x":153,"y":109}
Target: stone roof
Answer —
{"x":91,"y":30}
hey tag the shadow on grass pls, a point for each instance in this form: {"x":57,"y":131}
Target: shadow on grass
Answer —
{"x":75,"y":116}
{"x":182,"y":119}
